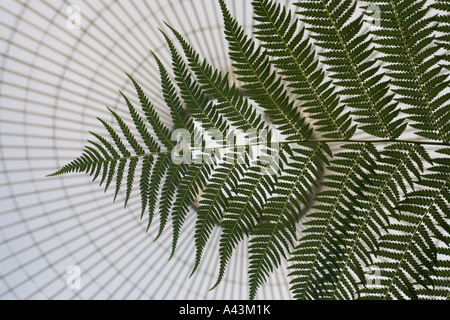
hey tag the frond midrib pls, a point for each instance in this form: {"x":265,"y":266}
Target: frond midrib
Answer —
{"x":206,"y":149}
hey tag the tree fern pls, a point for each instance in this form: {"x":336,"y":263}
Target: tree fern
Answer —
{"x":257,"y":168}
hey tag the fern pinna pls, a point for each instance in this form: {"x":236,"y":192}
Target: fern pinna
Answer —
{"x":328,"y":99}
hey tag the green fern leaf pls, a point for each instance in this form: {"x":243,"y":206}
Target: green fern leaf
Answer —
{"x":409,"y":245}
{"x":443,"y":20}
{"x":322,"y":241}
{"x":395,"y":166}
{"x":192,"y":182}
{"x":149,"y":141}
{"x":168,"y":192}
{"x":245,"y":207}
{"x":274,"y":236}
{"x":201,"y":109}
{"x":440,"y":277}
{"x":144,"y":185}
{"x":294,"y":56}
{"x":216,"y":196}
{"x":159,"y":170}
{"x":347,"y":54}
{"x":253,"y":68}
{"x":161,"y":131}
{"x":406,"y":39}
{"x":230,"y":102}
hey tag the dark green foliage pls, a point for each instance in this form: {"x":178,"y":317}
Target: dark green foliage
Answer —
{"x":406,"y":40}
{"x":412,"y":242}
{"x":375,"y":210}
{"x":363,"y":194}
{"x":322,"y":246}
{"x":274,"y":236}
{"x":294,"y":56}
{"x":263,"y":85}
{"x":347,"y":55}
{"x":443,"y":20}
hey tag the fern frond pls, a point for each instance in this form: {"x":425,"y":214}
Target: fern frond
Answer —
{"x":171,"y":183}
{"x":383,"y":202}
{"x":192,"y":182}
{"x":443,"y":21}
{"x":114,"y":159}
{"x":199,"y":106}
{"x":117,"y":140}
{"x":159,"y":170}
{"x":397,"y":164}
{"x":274,"y":236}
{"x":440,"y":276}
{"x":180,"y":117}
{"x":253,"y":69}
{"x":245,"y":206}
{"x":314,"y":258}
{"x":144,"y":182}
{"x":216,"y":195}
{"x":149,"y":141}
{"x":409,"y":246}
{"x":347,"y":52}
{"x":128,"y":135}
{"x":161,"y":131}
{"x":405,"y":39}
{"x":294,"y":56}
{"x":230,"y":102}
